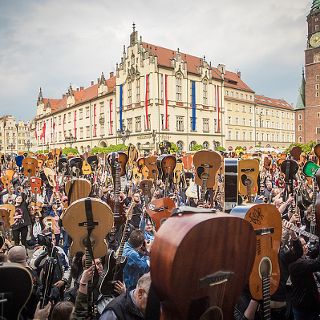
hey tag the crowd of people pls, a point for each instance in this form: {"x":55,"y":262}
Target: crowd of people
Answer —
{"x":36,"y":239}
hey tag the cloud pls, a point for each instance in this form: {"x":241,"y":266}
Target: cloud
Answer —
{"x":54,"y":43}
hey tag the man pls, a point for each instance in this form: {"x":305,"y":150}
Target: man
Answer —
{"x":129,"y":305}
{"x":137,"y":258}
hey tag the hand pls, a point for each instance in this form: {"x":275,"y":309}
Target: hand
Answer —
{"x":295,"y":218}
{"x":119,"y":287}
{"x":42,"y":314}
{"x":87,"y":275}
{"x":148,"y":245}
{"x":59,"y":284}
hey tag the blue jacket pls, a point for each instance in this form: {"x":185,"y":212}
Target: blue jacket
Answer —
{"x":137,"y":265}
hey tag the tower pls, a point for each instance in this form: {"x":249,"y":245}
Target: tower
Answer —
{"x":310,"y":120}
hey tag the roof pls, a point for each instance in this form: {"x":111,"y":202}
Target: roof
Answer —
{"x":194,"y":63}
{"x":315,"y":5}
{"x":270,"y":102}
{"x":80,"y":95}
{"x":301,"y":96}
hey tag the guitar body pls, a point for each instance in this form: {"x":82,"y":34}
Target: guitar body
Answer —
{"x":166,"y":164}
{"x":267,"y":223}
{"x":248,"y":173}
{"x":11,"y":210}
{"x":151,"y":164}
{"x":5,"y":218}
{"x":19,"y":160}
{"x":122,"y":159}
{"x":230,"y":184}
{"x":132,"y":158}
{"x":75,"y":166}
{"x":77,"y":189}
{"x":49,"y":224}
{"x":51,"y":176}
{"x":5,"y":181}
{"x":16,"y":292}
{"x":9,"y":173}
{"x":160,"y":210}
{"x":114,"y":273}
{"x":74,"y":221}
{"x":190,"y":277}
{"x":63,"y":166}
{"x":310,"y":169}
{"x":30,"y":166}
{"x":316,"y":150}
{"x":289,"y":168}
{"x":35,"y":184}
{"x":86,"y":169}
{"x":145,"y":186}
{"x":93,"y":161}
{"x":295,"y":153}
{"x":178,"y":170}
{"x":207,"y":162}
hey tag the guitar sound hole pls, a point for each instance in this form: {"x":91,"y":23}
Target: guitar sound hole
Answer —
{"x":197,"y":308}
{"x":265,"y":267}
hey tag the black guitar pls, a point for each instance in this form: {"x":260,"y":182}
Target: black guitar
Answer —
{"x":230,"y":183}
{"x":13,"y":294}
{"x":116,"y":262}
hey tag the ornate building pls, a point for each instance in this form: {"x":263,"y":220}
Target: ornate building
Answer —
{"x":14,"y":136}
{"x":156,"y":94}
{"x":308,"y":104}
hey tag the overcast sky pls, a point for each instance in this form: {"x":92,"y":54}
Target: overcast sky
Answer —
{"x":53,"y":43}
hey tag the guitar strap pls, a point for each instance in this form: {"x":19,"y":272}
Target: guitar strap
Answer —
{"x":70,"y":191}
{"x":90,"y":224}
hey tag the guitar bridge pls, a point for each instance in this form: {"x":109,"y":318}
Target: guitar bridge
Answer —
{"x":215,"y":279}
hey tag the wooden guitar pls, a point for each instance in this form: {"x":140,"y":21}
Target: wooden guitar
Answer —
{"x":132,"y":158}
{"x":151,"y":164}
{"x":86,"y":169}
{"x":77,"y":189}
{"x":51,"y":176}
{"x":75,"y":166}
{"x":30,"y":166}
{"x":193,"y":266}
{"x":116,"y":262}
{"x":207,"y":164}
{"x":49,"y":224}
{"x":166,"y":164}
{"x":316,"y":150}
{"x":160,"y":210}
{"x":248,"y":173}
{"x":14,"y":294}
{"x":145,"y":187}
{"x":11,"y":210}
{"x":265,"y":275}
{"x":295,"y":152}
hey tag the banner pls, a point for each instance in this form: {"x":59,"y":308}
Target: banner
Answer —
{"x":146,"y":101}
{"x":166,"y":124}
{"x":193,"y":105}
{"x":110,"y":113}
{"x":94,"y":120}
{"x":75,"y":124}
{"x":218,"y":107}
{"x":120,"y":108}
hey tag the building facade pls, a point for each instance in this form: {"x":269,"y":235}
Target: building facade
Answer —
{"x":15,"y":136}
{"x":156,"y":94}
{"x":308,"y":104}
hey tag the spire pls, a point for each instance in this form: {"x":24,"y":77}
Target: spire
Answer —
{"x":102,"y":79}
{"x":133,"y":27}
{"x":301,"y":96}
{"x":70,"y":90}
{"x":40,"y":97}
{"x":315,"y":5}
{"x":133,"y":35}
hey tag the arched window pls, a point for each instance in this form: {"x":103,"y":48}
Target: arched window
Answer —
{"x":300,"y":139}
{"x":179,"y":87}
{"x":180,"y":145}
{"x":192,"y":144}
{"x":206,"y":145}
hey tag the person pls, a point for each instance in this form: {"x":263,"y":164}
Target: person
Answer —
{"x":62,"y":310}
{"x":305,"y":295}
{"x":10,"y":197}
{"x":137,"y":259}
{"x":129,"y":305}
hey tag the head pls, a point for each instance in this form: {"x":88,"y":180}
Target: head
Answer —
{"x":149,"y":226}
{"x":141,"y":292}
{"x":18,"y":200}
{"x":136,"y":239}
{"x":99,"y":265}
{"x":62,"y":310}
{"x":136,"y":197}
{"x":269,"y":185}
{"x":18,"y":254}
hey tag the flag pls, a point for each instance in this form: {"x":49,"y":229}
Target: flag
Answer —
{"x":63,"y":123}
{"x":75,"y":124}
{"x":193,"y":105}
{"x":110,"y":113}
{"x":166,"y":124}
{"x":120,"y":108}
{"x":218,"y":107}
{"x":146,"y":101}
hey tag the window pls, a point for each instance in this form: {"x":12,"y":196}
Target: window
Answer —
{"x":300,"y":139}
{"x":243,"y":108}
{"x":129,"y":92}
{"x":317,"y":77}
{"x":81,"y":133}
{"x":250,"y":109}
{"x":317,"y":86}
{"x":191,"y":123}
{"x":69,"y":117}
{"x":80,"y":114}
{"x":237,"y":135}
{"x":317,"y":93}
{"x":299,"y":116}
{"x":59,"y":120}
{"x":101,"y":108}
{"x":192,"y":144}
{"x":179,"y":123}
{"x":87,"y":112}
{"x":229,"y":120}
{"x":138,"y":124}
{"x":205,"y":92}
{"x":244,"y":121}
{"x":250,"y":135}
{"x":149,"y":123}
{"x":205,"y":125}
{"x":316,"y":27}
{"x":129,"y":124}
{"x":205,"y":145}
{"x":138,"y":90}
{"x":250,"y":122}
{"x":244,"y":136}
{"x":180,"y":145}
{"x":179,"y":88}
{"x":87,"y":132}
{"x":60,"y":136}
{"x":318,"y":130}
{"x":161,"y":86}
{"x":237,"y":120}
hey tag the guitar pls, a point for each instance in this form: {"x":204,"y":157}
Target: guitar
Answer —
{"x":299,"y":231}
{"x":159,"y":210}
{"x":295,"y":152}
{"x":265,"y":274}
{"x":132,"y":158}
{"x":51,"y":176}
{"x":49,"y":224}
{"x":207,"y":164}
{"x":178,"y":174}
{"x":192,"y":280}
{"x":310,"y":169}
{"x":77,"y":188}
{"x":11,"y":210}
{"x":116,"y":262}
{"x":75,"y":166}
{"x":316,"y":150}
{"x":145,"y":187}
{"x":30,"y":166}
{"x":151,"y":164}
{"x":14,"y":294}
{"x":86,"y":169}
{"x":248,"y":173}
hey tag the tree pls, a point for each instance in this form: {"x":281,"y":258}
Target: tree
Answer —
{"x":197,"y":147}
{"x":174,"y":148}
{"x":306,"y":147}
{"x":67,"y":151}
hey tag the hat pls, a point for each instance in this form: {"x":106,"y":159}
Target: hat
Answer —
{"x":17,"y":254}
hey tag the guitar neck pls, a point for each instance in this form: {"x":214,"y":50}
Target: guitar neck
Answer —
{"x":266,"y":297}
{"x":88,"y":264}
{"x":304,"y":233}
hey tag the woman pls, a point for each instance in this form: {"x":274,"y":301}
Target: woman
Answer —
{"x":21,"y":221}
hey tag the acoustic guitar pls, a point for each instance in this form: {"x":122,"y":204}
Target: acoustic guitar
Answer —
{"x":316,"y":150}
{"x":11,"y":210}
{"x":77,"y":188}
{"x":35,"y":184}
{"x":75,"y":166}
{"x":166,"y":164}
{"x":248,"y":172}
{"x":145,"y":187}
{"x":159,"y":210}
{"x":193,"y":267}
{"x":51,"y":176}
{"x":14,"y":294}
{"x":42,"y":158}
{"x":116,"y":262}
{"x":207,"y":164}
{"x":132,"y":158}
{"x":265,"y":275}
{"x":178,"y":173}
{"x":151,"y":164}
{"x":30,"y":166}
{"x":295,"y":152}
{"x":75,"y":221}
{"x":86,"y":168}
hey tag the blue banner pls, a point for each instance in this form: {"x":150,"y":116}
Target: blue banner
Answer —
{"x":120,"y":109}
{"x":193,"y":106}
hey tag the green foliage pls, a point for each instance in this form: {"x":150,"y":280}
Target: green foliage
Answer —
{"x":67,"y":151}
{"x":306,"y":147}
{"x":220,"y":148}
{"x":197,"y":147}
{"x":174,"y":148}
{"x":42,"y":151}
{"x":109,"y":149}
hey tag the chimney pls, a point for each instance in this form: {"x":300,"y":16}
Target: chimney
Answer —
{"x":92,"y":82}
{"x":222,"y":68}
{"x":81,"y":88}
{"x":111,"y":74}
{"x":63,"y":96}
{"x":239,"y":74}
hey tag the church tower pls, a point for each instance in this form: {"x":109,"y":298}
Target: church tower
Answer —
{"x":309,"y":116}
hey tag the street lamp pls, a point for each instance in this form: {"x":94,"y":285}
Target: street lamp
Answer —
{"x":123,"y":134}
{"x":71,"y":139}
{"x":154,"y":135}
{"x":28,"y":144}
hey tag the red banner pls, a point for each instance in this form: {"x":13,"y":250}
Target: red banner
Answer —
{"x":146,"y":101}
{"x":110,"y":112}
{"x":166,"y":101}
{"x":94,"y":121}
